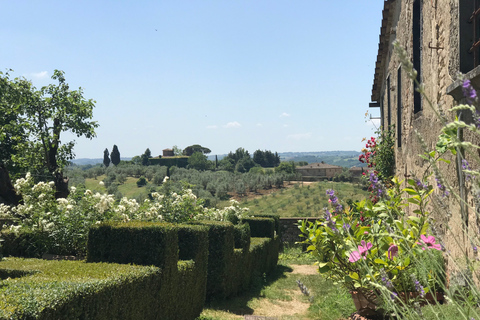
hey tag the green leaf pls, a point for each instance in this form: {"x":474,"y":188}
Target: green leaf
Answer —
{"x":354,"y":275}
{"x":412,"y":200}
{"x":406,"y":262}
{"x":445,"y":160}
{"x":380,"y":261}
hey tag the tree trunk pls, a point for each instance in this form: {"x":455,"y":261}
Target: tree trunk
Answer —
{"x":7,"y":191}
{"x":61,"y":185}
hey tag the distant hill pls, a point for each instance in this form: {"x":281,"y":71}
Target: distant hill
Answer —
{"x":87,"y":161}
{"x":338,"y":158}
{"x":346,"y":159}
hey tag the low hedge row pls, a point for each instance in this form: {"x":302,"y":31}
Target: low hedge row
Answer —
{"x":187,"y":264}
{"x":40,"y":289}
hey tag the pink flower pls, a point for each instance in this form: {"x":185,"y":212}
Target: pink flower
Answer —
{"x":362,"y":251}
{"x":430,"y":242}
{"x":392,"y":251}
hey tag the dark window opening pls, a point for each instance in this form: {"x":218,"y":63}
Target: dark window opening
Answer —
{"x":417,"y":52}
{"x":470,"y":34}
{"x":399,"y":107}
{"x":382,"y":120}
{"x":389,"y":108}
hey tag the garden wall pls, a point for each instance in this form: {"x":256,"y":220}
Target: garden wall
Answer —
{"x":289,"y":229}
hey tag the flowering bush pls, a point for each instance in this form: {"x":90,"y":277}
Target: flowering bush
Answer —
{"x":370,"y":244}
{"x":379,"y":154}
{"x":61,"y":225}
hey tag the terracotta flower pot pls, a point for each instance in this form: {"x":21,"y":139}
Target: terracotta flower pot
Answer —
{"x":366,"y":303}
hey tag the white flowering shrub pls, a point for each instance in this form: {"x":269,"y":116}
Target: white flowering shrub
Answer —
{"x":233,"y":213}
{"x":61,"y":225}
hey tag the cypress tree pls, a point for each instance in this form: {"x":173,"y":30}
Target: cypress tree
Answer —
{"x":115,"y":155}
{"x":106,"y":158}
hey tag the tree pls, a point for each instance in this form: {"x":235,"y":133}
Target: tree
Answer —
{"x":259,"y":157}
{"x":198,"y":161}
{"x":44,"y":114}
{"x":145,"y":157}
{"x":177,"y":151}
{"x":188,"y":151}
{"x":106,"y":158}
{"x":14,"y":95}
{"x":115,"y":155}
{"x":286,"y":167}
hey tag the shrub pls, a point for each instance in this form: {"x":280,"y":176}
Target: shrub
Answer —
{"x":141,"y":182}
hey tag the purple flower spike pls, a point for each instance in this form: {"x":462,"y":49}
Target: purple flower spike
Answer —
{"x":469,"y":92}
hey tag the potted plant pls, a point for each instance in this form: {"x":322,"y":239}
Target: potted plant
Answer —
{"x":372,"y":249}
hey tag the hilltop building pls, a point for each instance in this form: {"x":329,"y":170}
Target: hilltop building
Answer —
{"x":318,"y":171}
{"x":168,"y":153}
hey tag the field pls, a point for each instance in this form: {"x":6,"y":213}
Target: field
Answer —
{"x":303,"y":199}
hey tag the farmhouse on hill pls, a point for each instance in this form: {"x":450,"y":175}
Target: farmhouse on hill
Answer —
{"x":168,"y":153}
{"x":441,"y":40}
{"x":318,"y":171}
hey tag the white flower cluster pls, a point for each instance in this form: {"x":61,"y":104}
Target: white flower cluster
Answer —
{"x":72,"y":217}
{"x":104,"y":202}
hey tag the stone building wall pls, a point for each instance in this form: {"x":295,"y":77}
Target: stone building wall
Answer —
{"x":439,"y":60}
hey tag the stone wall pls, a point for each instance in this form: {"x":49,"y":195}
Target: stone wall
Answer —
{"x":289,"y":229}
{"x":439,"y":60}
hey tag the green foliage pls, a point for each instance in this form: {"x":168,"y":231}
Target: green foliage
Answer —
{"x":141,"y":182}
{"x":146,"y":157}
{"x":391,"y":245}
{"x":266,"y":158}
{"x":71,"y":290}
{"x":198,"y":161}
{"x":286,"y":167}
{"x":33,"y":121}
{"x":115,"y":155}
{"x":190,"y":150}
{"x":106,"y":158}
{"x":384,"y":157}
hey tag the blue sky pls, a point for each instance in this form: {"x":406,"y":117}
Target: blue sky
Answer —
{"x":270,"y":75}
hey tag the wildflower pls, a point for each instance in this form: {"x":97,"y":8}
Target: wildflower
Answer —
{"x":429,"y":242}
{"x":346,"y":226}
{"x":469,"y":92}
{"x":466,"y":166}
{"x":101,"y":183}
{"x":421,"y":185}
{"x":333,"y":200}
{"x":330,"y":222}
{"x":362,"y":251}
{"x":418,"y":286}
{"x":392,"y":251}
{"x":385,"y":279}
{"x":442,"y":187}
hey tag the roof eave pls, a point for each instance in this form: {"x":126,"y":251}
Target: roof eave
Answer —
{"x":383,"y":46}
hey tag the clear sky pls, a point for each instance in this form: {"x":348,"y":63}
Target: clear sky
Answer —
{"x":276,"y":75}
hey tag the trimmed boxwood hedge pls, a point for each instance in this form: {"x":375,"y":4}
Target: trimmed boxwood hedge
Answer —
{"x":260,"y":227}
{"x":186,"y":265}
{"x":275,"y":217}
{"x":79,"y":290}
{"x":220,"y":254}
{"x":159,"y":244}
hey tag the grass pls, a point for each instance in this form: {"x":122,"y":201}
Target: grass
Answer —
{"x":304,"y":200}
{"x":278,"y":295}
{"x":128,"y":189}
